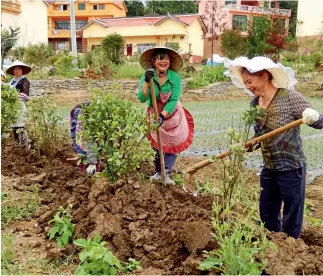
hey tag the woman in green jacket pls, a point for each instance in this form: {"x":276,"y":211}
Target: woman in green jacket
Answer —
{"x":175,"y":123}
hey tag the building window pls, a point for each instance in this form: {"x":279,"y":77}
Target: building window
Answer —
{"x":101,"y":6}
{"x":239,"y":22}
{"x":62,"y":7}
{"x":62,"y":25}
{"x":95,"y":7}
{"x":80,"y":24}
{"x":63,"y":45}
{"x":143,"y":47}
{"x":228,"y":2}
{"x":81,"y":6}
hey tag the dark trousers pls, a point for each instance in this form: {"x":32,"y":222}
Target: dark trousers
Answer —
{"x":169,"y":159}
{"x":20,"y":135}
{"x":287,"y":187}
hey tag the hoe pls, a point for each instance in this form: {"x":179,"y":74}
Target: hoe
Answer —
{"x":189,"y":181}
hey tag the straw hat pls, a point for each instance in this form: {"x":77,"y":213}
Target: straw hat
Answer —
{"x":283,"y":77}
{"x":146,"y":58}
{"x":25,"y":68}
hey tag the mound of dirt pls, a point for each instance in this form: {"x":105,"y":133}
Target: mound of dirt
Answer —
{"x":162,"y":226}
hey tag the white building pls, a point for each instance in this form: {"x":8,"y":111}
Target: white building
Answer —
{"x":310,"y":18}
{"x":30,"y":16}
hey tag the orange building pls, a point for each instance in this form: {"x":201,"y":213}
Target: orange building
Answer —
{"x":236,"y":14}
{"x":85,"y":11}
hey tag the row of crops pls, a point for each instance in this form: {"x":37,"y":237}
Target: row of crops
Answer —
{"x":212,"y":119}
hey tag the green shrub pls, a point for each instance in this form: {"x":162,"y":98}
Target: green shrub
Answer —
{"x":10,"y":105}
{"x":119,"y":128}
{"x":38,"y":55}
{"x":233,"y":44}
{"x":64,"y":67}
{"x":46,"y":128}
{"x":95,"y":258}
{"x":19,"y":52}
{"x":113,"y":46}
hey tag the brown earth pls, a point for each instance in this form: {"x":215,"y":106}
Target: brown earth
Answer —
{"x":162,"y":226}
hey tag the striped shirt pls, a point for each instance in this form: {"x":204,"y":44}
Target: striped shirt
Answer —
{"x":284,"y":151}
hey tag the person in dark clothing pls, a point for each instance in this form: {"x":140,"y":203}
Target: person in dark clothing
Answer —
{"x":22,"y":84}
{"x":283,"y":176}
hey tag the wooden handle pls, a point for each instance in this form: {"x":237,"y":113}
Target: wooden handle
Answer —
{"x":204,"y":163}
{"x":161,"y":152}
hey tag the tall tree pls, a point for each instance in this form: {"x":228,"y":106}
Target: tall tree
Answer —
{"x":135,"y":8}
{"x":214,"y":18}
{"x":172,"y":7}
{"x":9,"y":38}
{"x":291,"y":5}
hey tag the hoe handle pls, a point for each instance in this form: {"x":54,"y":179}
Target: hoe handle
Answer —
{"x":204,"y":163}
{"x":161,"y":153}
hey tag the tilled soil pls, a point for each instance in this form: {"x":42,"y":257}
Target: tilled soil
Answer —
{"x":162,"y":226}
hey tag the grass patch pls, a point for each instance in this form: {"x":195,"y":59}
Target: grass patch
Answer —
{"x":10,"y":210}
{"x":129,"y":71}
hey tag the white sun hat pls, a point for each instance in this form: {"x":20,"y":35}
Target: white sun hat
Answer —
{"x":283,"y":77}
{"x":25,"y":68}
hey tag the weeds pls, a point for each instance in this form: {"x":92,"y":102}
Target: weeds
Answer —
{"x":96,"y":259}
{"x":10,"y":212}
{"x":63,"y":229}
{"x":46,"y":129}
{"x":8,"y":260}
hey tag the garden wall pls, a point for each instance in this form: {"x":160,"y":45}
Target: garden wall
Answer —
{"x":49,"y":87}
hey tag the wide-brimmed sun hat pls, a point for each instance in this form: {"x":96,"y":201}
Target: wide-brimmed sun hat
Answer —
{"x":283,"y":77}
{"x":146,"y":58}
{"x":25,"y":68}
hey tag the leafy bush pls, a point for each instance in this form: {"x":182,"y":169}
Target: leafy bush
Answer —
{"x":208,"y":75}
{"x":38,"y":55}
{"x":19,"y":52}
{"x":63,"y":228}
{"x":46,"y":128}
{"x":119,"y":128}
{"x":95,"y":258}
{"x":10,"y":105}
{"x":113,"y":46}
{"x":64,"y":66}
{"x":233,"y":44}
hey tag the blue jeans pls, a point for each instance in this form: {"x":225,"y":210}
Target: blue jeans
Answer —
{"x":287,"y":187}
{"x":169,"y":159}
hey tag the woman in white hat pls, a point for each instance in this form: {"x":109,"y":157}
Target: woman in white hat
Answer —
{"x":283,"y":176}
{"x":18,"y":69}
{"x":175,"y":123}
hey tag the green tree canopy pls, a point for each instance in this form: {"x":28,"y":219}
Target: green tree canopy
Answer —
{"x":135,"y":8}
{"x":9,"y":38}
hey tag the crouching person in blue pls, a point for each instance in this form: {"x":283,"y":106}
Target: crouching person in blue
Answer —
{"x":84,"y":149}
{"x":282,"y":179}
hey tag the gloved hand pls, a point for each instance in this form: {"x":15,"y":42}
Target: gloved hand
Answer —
{"x":149,"y":74}
{"x":310,"y":116}
{"x":91,"y":169}
{"x":161,"y":119}
{"x":23,"y":97}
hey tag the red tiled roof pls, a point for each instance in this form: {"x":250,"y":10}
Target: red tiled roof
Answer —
{"x":146,"y":21}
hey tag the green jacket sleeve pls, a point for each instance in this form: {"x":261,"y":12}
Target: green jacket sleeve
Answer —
{"x":176,"y":93}
{"x":141,"y":97}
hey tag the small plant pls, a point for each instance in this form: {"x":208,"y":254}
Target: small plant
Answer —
{"x":130,"y":265}
{"x":178,"y":179}
{"x":113,"y":45}
{"x":96,"y":259}
{"x":241,"y":249}
{"x":63,"y":228}
{"x":10,"y":105}
{"x":8,"y":258}
{"x":46,"y":129}
{"x":64,"y":67}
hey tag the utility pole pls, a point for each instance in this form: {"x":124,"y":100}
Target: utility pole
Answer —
{"x":73,"y":32}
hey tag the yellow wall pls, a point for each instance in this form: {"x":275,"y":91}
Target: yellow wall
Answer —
{"x":168,"y":31}
{"x":33,"y":29}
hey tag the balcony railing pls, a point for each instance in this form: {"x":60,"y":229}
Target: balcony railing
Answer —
{"x":11,"y":6}
{"x":261,"y":10}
